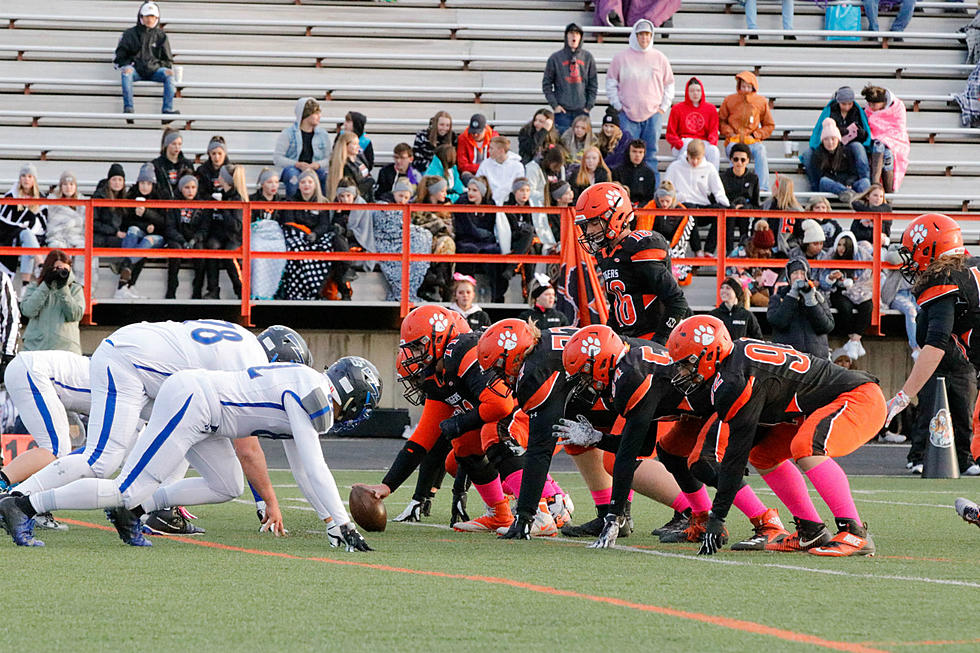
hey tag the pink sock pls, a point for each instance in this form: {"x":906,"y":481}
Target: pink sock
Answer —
{"x":748,"y":502}
{"x":512,"y":484}
{"x":831,"y":484}
{"x":630,"y":495}
{"x":551,"y":488}
{"x":788,"y":485}
{"x":699,"y":501}
{"x":492,"y":493}
{"x":602,"y":497}
{"x":680,"y":503}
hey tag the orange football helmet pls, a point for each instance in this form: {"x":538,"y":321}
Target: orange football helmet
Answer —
{"x":607,"y":203}
{"x":589,"y":358}
{"x":927,"y":238}
{"x":503,"y":347}
{"x":411,"y":379}
{"x":426,"y":331}
{"x":696,"y":346}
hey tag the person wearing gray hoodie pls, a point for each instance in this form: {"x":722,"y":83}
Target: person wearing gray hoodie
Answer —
{"x":303,"y":145}
{"x":570,"y":80}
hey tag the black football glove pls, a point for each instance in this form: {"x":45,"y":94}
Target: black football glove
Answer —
{"x":520,"y":529}
{"x":610,"y":531}
{"x":426,"y":506}
{"x":715,"y":536}
{"x":451,"y":427}
{"x":353,"y":539}
{"x":459,"y":509}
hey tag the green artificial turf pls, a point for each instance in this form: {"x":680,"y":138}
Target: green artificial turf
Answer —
{"x":87,"y":591}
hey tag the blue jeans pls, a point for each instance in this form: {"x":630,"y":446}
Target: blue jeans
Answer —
{"x":751,"y":14}
{"x":290,"y":177}
{"x":901,"y":20}
{"x":27,"y":239}
{"x":828,"y":185}
{"x":906,"y":304}
{"x":649,"y":132}
{"x":564,"y":120}
{"x":760,"y":162}
{"x":136,"y":238}
{"x":163,"y":76}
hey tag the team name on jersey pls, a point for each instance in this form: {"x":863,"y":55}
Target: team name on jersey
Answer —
{"x":611,"y":273}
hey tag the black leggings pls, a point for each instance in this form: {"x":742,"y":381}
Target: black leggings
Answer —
{"x":851,"y":317}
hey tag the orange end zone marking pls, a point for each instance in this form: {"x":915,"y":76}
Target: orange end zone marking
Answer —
{"x":724,"y":622}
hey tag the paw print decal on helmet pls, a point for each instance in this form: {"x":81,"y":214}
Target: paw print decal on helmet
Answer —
{"x":439,"y":323}
{"x":591,"y":346}
{"x":704,"y":335}
{"x":507,"y":340}
{"x":919,"y":233}
{"x":614,"y":197}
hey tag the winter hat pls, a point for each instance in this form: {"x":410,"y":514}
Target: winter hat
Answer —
{"x":225,"y":175}
{"x":763,"y":239}
{"x":115,"y":170}
{"x":557,"y":193}
{"x":29,"y":169}
{"x":67,"y":175}
{"x":402,"y":184}
{"x":437,"y":186}
{"x":170,"y":137}
{"x":797,"y":264}
{"x":829,"y":129}
{"x":266,"y":175}
{"x":478,"y":123}
{"x":665,"y":191}
{"x":537,"y":292}
{"x":844,"y":94}
{"x":150,"y":9}
{"x":311,"y":107}
{"x":309,"y":172}
{"x":147,"y":173}
{"x":183,"y":181}
{"x":611,"y":117}
{"x":216,"y":143}
{"x":347,"y":189}
{"x":813,"y":232}
{"x":480,"y":186}
{"x":736,"y":287}
{"x":519,"y":183}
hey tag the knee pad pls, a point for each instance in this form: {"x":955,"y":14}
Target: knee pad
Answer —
{"x":478,"y":469}
{"x":706,"y":472}
{"x":505,"y":458}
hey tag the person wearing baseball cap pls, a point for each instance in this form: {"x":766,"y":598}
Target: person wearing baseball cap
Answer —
{"x":474,"y":144}
{"x":143,"y":54}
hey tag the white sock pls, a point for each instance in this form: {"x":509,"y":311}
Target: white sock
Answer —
{"x":58,"y":473}
{"x":83,"y":494}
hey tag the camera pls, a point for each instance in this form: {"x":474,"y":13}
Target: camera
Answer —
{"x":58,"y":277}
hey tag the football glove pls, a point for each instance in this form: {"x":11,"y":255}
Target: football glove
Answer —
{"x":260,"y":511}
{"x":520,"y":529}
{"x":895,"y":405}
{"x":610,"y":531}
{"x":459,"y":509}
{"x":580,"y":433}
{"x":714,"y":536}
{"x":334,"y":535}
{"x":412,"y":512}
{"x":452,"y":427}
{"x":353,"y":539}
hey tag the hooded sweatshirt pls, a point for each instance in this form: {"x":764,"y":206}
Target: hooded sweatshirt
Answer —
{"x":640,"y":82}
{"x":570,"y":78}
{"x":745,"y":117}
{"x":289,"y":143}
{"x":696,"y":185}
{"x":860,"y":290}
{"x":359,"y":120}
{"x":501,"y":175}
{"x":689,"y":121}
{"x":147,"y":50}
{"x":472,"y":150}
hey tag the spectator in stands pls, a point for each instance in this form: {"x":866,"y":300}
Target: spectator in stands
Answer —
{"x":225,"y":230}
{"x":475,"y":233}
{"x":355,"y":122}
{"x":536,"y":135}
{"x":543,"y":312}
{"x":896,"y":293}
{"x":24,"y":224}
{"x":342,"y":272}
{"x":849,"y":291}
{"x":464,"y":293}
{"x":969,"y":99}
{"x":66,"y":224}
{"x":207,"y":172}
{"x":613,"y":12}
{"x":828,"y":225}
{"x":760,"y":281}
{"x":570,"y":81}
{"x":143,"y":54}
{"x":171,"y":164}
{"x":636,"y":175}
{"x":550,"y":167}
{"x":560,"y":195}
{"x":610,"y":141}
{"x":871,"y":201}
{"x":783,"y":198}
{"x":439,"y":132}
{"x":744,"y":117}
{"x":679,"y":230}
{"x":593,"y":170}
{"x":344,"y":162}
{"x":734,"y":311}
{"x":266,"y":236}
{"x":304,"y":145}
{"x":890,"y":144}
{"x":53,"y":305}
{"x":107,"y":223}
{"x":306,"y":230}
{"x":473,"y":145}
{"x":741,"y":188}
{"x":697,"y":182}
{"x":387,"y":238}
{"x":522,"y":228}
{"x":186,"y":228}
{"x":444,"y":165}
{"x":853,"y":126}
{"x":144,"y":228}
{"x":832,"y":168}
{"x":902,"y":19}
{"x":500,"y":168}
{"x":401,"y":166}
{"x":799,"y":315}
{"x":640,"y":85}
{"x":578,"y":138}
{"x":751,"y":18}
{"x":694,"y":119}
{"x":437,"y":283}
{"x":811,"y":241}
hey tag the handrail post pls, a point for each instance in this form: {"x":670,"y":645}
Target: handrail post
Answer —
{"x":721,"y":251}
{"x":89,"y":260}
{"x":876,"y":276}
{"x":406,"y":257}
{"x":246,"y":317}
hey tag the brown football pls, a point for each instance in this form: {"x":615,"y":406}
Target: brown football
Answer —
{"x":367,"y":511}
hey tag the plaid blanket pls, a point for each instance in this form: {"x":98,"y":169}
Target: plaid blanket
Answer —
{"x":969,"y":100}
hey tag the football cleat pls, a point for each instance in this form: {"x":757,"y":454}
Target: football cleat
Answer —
{"x":170,"y":521}
{"x":561,"y":509}
{"x":427,"y":506}
{"x":18,"y":524}
{"x":335,"y":537}
{"x":768,"y":529}
{"x":544,"y":525}
{"x":808,"y":534}
{"x":851,"y":540}
{"x":411,"y":513}
{"x":499,"y":516}
{"x":520,"y":529}
{"x":128,"y":526}
{"x":46,"y":520}
{"x":677,"y":523}
{"x":458,"y":513}
{"x":593,"y":528}
{"x":968,"y":510}
{"x":694,"y":531}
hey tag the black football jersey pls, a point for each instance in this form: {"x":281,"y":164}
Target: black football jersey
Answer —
{"x":950,"y":311}
{"x":461,"y":380}
{"x":644,"y":297}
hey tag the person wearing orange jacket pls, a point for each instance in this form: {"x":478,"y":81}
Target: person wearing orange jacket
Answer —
{"x":745,"y":117}
{"x":473,"y":145}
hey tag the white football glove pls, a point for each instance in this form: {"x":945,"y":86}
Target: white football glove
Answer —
{"x":895,"y":405}
{"x":610,"y":531}
{"x":580,"y":432}
{"x":335,"y":536}
{"x":411,"y":513}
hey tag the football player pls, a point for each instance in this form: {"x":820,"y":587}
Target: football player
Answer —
{"x":753,"y":382}
{"x":635,"y":265}
{"x":197,"y":414}
{"x":634,"y":376}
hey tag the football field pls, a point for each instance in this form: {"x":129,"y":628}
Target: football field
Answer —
{"x":427,"y":588}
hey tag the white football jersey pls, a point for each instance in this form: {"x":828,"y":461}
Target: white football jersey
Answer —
{"x":159,"y":349}
{"x":68,"y":372}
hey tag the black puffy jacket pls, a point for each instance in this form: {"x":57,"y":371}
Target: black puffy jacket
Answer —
{"x":147,"y":50}
{"x":802,"y":327}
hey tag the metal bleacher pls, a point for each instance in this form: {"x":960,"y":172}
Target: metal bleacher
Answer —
{"x":245,"y":62}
